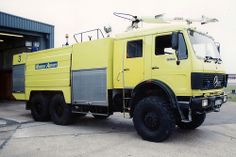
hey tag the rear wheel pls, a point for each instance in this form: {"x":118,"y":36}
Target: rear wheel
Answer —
{"x":197,"y":120}
{"x":153,"y":119}
{"x":39,"y":108}
{"x":60,"y":111}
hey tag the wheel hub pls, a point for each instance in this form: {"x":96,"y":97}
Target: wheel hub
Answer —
{"x":151,"y":120}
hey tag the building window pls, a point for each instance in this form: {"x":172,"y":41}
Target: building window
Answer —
{"x":134,"y":48}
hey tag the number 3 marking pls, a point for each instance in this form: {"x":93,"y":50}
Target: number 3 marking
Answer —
{"x":19,"y":58}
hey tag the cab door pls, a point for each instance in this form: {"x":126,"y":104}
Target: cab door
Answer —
{"x":133,"y":62}
{"x":170,"y":66}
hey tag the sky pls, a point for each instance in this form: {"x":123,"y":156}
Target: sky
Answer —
{"x":73,"y":16}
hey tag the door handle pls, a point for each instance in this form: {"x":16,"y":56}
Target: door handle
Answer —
{"x":126,"y":69}
{"x":154,"y":68}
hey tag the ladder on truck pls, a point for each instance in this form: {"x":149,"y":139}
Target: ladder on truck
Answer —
{"x":125,"y":97}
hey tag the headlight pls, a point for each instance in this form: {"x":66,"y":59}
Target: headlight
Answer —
{"x":204,"y":103}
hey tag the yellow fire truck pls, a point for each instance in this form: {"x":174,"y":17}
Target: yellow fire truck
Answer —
{"x":165,"y":76}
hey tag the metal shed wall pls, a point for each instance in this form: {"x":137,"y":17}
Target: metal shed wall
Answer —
{"x":15,"y":22}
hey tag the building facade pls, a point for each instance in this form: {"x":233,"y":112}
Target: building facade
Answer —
{"x":17,"y":35}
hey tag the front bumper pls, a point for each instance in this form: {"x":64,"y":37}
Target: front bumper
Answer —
{"x":205,"y":104}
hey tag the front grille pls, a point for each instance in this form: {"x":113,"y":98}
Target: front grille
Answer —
{"x":205,"y":81}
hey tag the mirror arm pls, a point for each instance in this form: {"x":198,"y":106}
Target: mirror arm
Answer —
{"x":178,"y":62}
{"x":177,"y":57}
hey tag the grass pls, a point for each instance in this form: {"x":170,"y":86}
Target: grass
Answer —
{"x":228,"y":90}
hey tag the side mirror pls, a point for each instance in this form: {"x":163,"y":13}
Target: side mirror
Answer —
{"x":175,"y":40}
{"x":217,"y":46}
{"x":175,"y":44}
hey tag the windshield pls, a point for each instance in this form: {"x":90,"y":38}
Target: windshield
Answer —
{"x":203,"y":45}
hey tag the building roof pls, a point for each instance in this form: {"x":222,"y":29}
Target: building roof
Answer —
{"x":16,"y":22}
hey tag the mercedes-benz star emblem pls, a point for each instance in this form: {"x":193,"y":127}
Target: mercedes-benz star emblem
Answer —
{"x":216,"y":80}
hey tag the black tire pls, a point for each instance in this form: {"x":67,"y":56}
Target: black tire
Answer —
{"x":60,"y":111}
{"x":197,"y":120}
{"x":39,"y":108}
{"x":100,"y":117}
{"x":153,"y":119}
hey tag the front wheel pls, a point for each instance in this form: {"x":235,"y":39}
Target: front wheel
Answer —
{"x":197,"y":120}
{"x":153,"y":119}
{"x":60,"y":112}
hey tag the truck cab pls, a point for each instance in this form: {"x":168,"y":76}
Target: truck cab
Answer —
{"x":186,"y":61}
{"x":175,"y":63}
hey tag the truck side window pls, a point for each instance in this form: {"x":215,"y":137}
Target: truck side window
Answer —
{"x":134,"y":48}
{"x":182,"y":50}
{"x":163,"y":45}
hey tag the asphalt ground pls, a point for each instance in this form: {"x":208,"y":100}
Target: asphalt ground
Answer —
{"x":20,"y":136}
